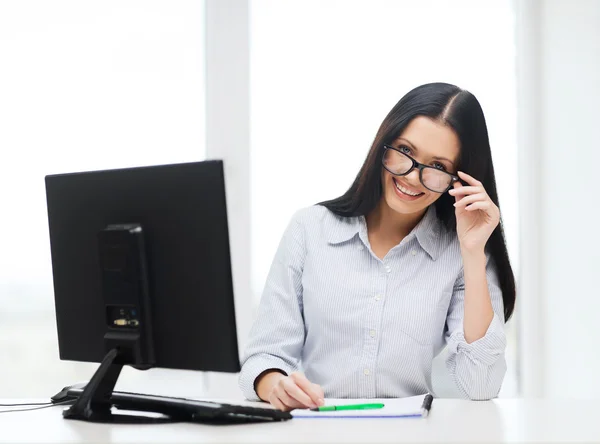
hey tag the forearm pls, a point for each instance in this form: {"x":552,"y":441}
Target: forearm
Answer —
{"x":478,"y":311}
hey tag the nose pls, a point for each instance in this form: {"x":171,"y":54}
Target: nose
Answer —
{"x":413,"y":177}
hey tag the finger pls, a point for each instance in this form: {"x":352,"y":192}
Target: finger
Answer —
{"x":471,"y":199}
{"x":307,"y":387}
{"x":469,"y":179}
{"x":457,"y":186}
{"x":295,"y":393}
{"x":481,"y":205}
{"x":464,"y":190}
{"x":288,"y":400}
{"x":275,"y":402}
{"x":319,"y":390}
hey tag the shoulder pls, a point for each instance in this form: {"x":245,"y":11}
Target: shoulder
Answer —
{"x":311,"y":215}
{"x":318,"y":221}
{"x":316,"y":216}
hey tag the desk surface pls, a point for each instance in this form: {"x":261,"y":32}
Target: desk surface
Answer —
{"x":451,"y":420}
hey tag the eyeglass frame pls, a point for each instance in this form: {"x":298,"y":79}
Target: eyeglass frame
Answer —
{"x":420,"y":167}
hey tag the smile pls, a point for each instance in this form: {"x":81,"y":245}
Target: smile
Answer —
{"x":405,"y":193}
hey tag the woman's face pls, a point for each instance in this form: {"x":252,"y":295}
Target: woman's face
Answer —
{"x":428,"y":142}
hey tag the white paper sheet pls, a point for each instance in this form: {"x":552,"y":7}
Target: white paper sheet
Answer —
{"x":393,"y":408}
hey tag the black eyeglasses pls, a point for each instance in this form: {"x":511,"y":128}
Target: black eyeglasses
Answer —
{"x":400,"y":164}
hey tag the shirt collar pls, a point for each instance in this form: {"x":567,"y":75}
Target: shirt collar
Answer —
{"x":427,"y":231}
{"x":345,"y":228}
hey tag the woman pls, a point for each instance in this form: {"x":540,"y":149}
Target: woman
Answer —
{"x":366,"y":289}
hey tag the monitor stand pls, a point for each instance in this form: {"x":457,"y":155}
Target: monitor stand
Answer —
{"x":95,"y":405}
{"x":96,"y":402}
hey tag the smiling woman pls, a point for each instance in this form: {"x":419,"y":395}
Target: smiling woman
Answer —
{"x":366,"y":289}
{"x":339,"y":69}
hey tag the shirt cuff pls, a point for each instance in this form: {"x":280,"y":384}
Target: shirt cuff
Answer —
{"x":253,"y":367}
{"x":487,"y":349}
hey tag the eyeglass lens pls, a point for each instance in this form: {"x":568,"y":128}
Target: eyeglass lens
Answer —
{"x":432,"y":178}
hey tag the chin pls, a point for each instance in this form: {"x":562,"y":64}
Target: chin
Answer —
{"x":404,"y":204}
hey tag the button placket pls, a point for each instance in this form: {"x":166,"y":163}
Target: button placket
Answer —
{"x":371,"y":337}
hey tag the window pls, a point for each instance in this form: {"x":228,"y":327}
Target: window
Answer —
{"x":85,"y":86}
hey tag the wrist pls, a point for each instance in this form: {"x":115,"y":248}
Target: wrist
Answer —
{"x":471,"y":254}
{"x":266,"y":381}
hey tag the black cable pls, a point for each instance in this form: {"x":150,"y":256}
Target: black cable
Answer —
{"x":36,"y":408}
{"x":25,"y":404}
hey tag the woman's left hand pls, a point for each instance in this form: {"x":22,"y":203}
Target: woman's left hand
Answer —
{"x":476,"y":215}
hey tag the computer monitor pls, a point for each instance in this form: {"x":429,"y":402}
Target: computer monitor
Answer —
{"x":142,"y":273}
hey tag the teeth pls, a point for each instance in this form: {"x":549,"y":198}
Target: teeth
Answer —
{"x":404,"y":190}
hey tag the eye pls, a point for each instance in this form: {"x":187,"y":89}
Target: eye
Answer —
{"x":404,"y":149}
{"x":439,"y":166}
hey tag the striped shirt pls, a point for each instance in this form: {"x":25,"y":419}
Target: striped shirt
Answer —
{"x":364,"y":327}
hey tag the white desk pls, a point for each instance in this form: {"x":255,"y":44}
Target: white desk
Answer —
{"x":451,"y":420}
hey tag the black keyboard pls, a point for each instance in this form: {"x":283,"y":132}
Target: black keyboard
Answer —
{"x":192,"y":410}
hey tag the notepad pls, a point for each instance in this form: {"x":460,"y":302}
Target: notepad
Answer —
{"x":393,"y":408}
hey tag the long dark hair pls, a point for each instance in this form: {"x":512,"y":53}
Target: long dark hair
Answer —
{"x":462,"y":112}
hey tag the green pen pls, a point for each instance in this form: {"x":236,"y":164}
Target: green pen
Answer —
{"x":333,"y":408}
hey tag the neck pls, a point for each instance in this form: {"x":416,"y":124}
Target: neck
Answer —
{"x":386,"y":223}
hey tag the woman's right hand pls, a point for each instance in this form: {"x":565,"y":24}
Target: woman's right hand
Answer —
{"x":289,"y":392}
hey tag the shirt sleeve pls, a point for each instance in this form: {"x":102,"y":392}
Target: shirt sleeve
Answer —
{"x":477,"y":368}
{"x":277,"y":335}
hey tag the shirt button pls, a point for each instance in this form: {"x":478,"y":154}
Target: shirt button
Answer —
{"x":367,"y":372}
{"x":413,"y":252}
{"x":387,"y":269}
{"x":377,"y":298}
{"x":359,"y":247}
{"x":372,"y":333}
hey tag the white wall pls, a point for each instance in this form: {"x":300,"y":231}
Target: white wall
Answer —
{"x":565,"y":109}
{"x":570,"y":79}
